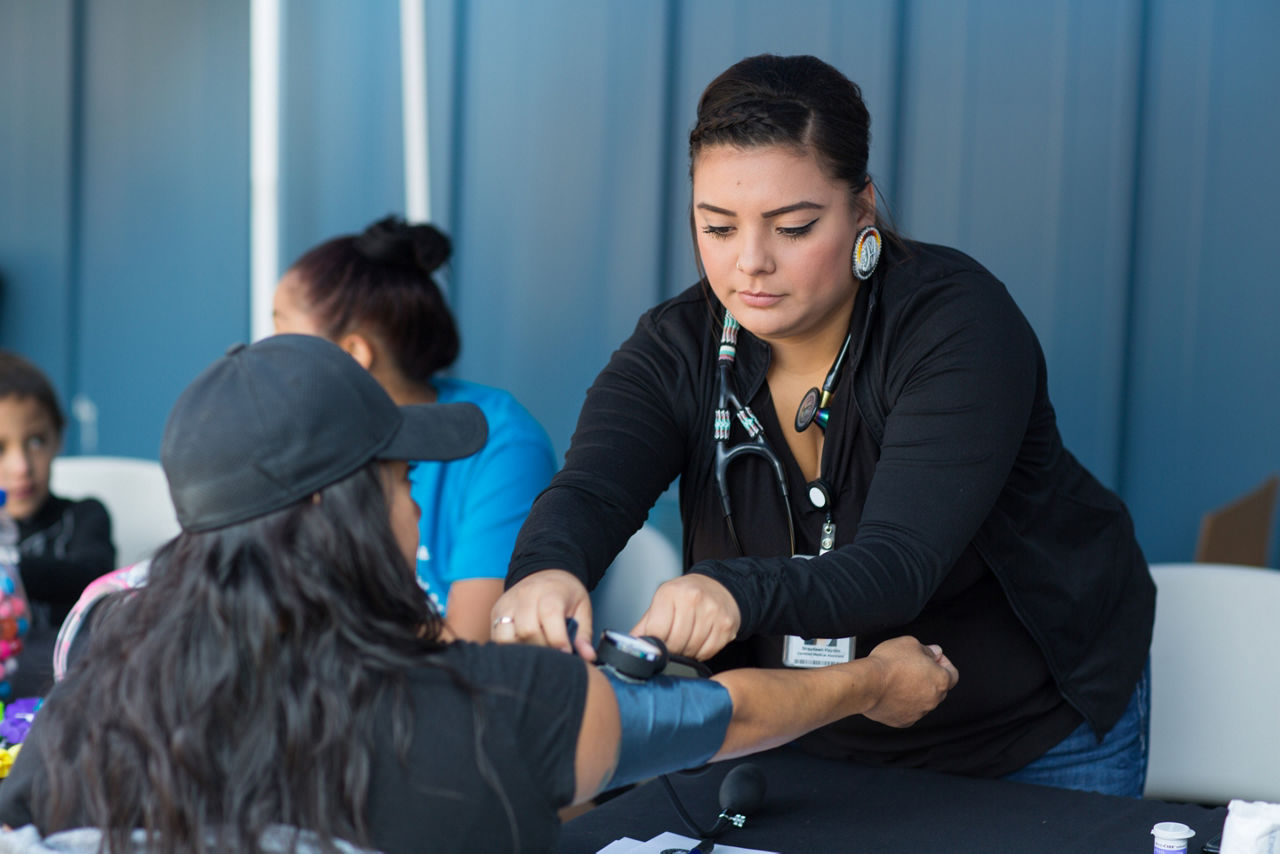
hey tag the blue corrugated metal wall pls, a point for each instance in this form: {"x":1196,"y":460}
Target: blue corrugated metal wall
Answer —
{"x":1113,"y":162}
{"x":123,"y":200}
{"x":1202,"y":415}
{"x":37,"y":144}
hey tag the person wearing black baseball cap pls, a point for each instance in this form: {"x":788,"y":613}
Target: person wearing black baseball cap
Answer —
{"x":280,"y":684}
{"x":268,"y":425}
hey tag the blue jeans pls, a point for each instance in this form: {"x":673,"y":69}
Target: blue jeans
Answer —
{"x":1116,"y":766}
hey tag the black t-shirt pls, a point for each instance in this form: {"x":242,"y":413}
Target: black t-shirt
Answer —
{"x":522,"y":709}
{"x":526,"y":713}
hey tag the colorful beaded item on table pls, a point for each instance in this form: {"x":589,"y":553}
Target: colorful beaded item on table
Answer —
{"x":18,"y":716}
{"x":7,"y":757}
{"x":14,"y":726}
{"x":14,"y":621}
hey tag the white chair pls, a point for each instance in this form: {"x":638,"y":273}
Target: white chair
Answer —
{"x":622,"y":597}
{"x":135,"y":493}
{"x":1215,"y":684}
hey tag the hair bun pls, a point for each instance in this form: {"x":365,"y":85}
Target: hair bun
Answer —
{"x":391,"y":240}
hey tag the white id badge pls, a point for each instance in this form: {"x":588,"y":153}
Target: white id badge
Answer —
{"x":816,"y":652}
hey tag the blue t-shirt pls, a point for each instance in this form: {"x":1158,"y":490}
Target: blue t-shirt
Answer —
{"x":473,"y":508}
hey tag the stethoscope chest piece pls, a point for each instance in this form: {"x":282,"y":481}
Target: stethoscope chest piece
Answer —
{"x":813,"y":406}
{"x":807,"y":411}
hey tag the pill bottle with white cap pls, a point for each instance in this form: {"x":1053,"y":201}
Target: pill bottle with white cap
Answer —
{"x":1171,"y":837}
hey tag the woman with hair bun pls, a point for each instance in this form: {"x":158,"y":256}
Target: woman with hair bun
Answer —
{"x":375,"y":296}
{"x":865,"y":446}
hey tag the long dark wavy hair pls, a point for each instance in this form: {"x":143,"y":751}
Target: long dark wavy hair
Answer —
{"x":238,"y":688}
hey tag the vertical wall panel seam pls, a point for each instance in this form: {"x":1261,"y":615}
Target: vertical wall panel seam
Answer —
{"x":457,"y":149}
{"x":667,"y":157}
{"x":75,"y":207}
{"x":972,"y":49}
{"x":1198,"y":173}
{"x":898,"y":110}
{"x":1129,"y":321}
{"x":1056,"y":155}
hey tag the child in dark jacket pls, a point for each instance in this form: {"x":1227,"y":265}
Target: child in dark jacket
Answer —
{"x":63,"y":545}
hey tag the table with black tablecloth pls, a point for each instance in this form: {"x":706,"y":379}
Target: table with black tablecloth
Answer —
{"x":820,"y":805}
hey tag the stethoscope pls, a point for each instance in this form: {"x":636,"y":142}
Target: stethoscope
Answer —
{"x":813,"y":409}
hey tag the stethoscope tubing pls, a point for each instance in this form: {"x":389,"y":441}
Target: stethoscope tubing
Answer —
{"x":756,"y":444}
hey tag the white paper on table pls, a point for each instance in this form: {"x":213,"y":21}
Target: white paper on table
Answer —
{"x":625,"y":845}
{"x":670,"y":840}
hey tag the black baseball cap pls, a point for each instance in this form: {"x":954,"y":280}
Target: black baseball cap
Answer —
{"x":272,"y":422}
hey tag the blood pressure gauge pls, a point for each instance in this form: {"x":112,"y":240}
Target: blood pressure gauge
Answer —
{"x":631,"y":657}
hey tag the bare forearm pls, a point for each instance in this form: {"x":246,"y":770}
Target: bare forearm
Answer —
{"x":898,"y":683}
{"x":773,"y":707}
{"x":650,"y":727}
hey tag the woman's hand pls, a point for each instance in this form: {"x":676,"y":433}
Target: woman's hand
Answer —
{"x":693,"y":615}
{"x":896,"y":685}
{"x":916,"y":679}
{"x":534,"y":611}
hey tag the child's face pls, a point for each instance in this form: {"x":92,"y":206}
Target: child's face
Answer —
{"x":28,"y":444}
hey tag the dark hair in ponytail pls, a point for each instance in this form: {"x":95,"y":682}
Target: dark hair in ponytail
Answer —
{"x":382,"y":280}
{"x":799,"y":101}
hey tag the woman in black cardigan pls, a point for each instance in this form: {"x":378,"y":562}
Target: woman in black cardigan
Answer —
{"x":913,"y":464}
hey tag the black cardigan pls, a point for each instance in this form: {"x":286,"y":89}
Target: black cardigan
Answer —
{"x":65,"y":545}
{"x":947,"y":447}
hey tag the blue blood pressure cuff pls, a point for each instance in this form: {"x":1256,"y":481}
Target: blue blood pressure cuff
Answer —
{"x":668,"y":723}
